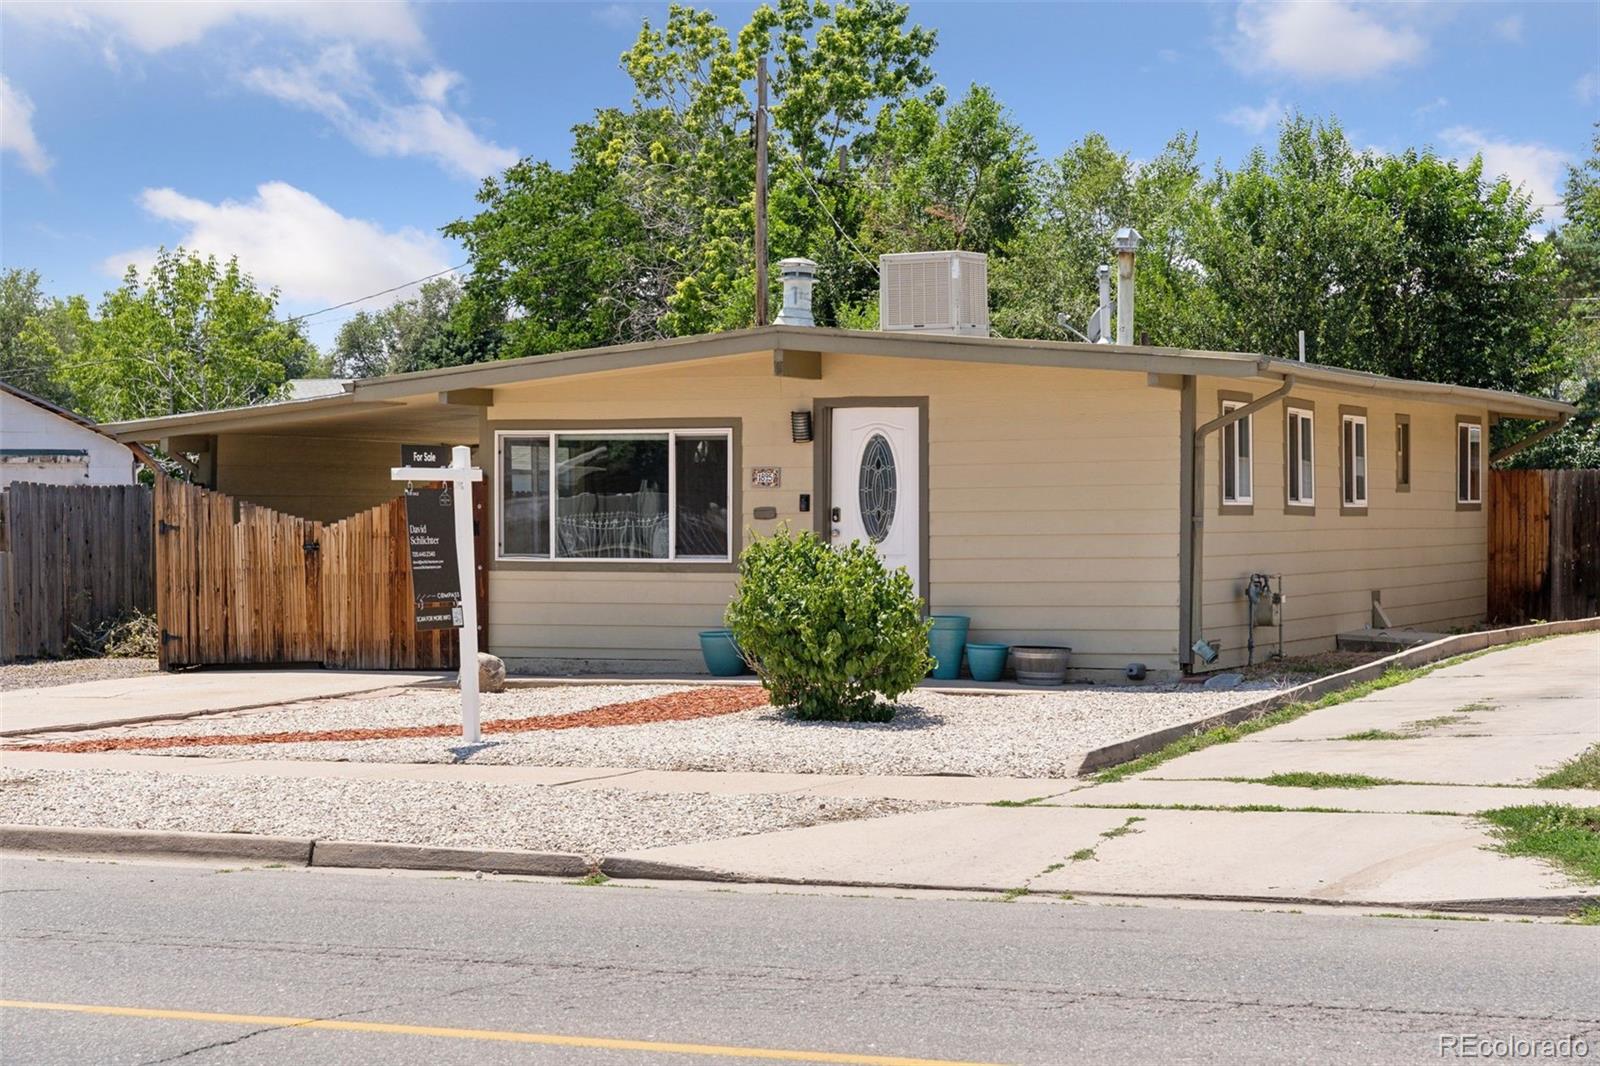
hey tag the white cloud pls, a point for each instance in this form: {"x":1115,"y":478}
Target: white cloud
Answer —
{"x":338,"y":87}
{"x":1536,"y":169}
{"x":620,"y":16}
{"x":1327,"y":40}
{"x":1587,"y":87}
{"x":1509,"y":29}
{"x":1256,"y":119}
{"x":287,"y":238}
{"x":16,"y":129}
{"x":157,"y":25}
{"x":1438,"y":103}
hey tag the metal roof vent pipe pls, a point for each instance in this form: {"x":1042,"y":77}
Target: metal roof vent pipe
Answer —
{"x":1126,"y":243}
{"x":798,"y":276}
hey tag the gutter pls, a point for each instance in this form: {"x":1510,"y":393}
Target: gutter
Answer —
{"x":1191,"y":550}
{"x":1549,"y":430}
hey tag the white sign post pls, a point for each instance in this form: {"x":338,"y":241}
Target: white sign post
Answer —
{"x":461,"y":474}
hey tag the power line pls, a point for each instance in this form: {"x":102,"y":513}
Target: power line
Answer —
{"x":815,"y":195}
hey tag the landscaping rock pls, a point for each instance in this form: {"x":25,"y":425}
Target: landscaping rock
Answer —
{"x":491,"y":673}
{"x":1224,"y":681}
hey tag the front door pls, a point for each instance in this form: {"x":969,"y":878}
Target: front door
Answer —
{"x":875,"y":483}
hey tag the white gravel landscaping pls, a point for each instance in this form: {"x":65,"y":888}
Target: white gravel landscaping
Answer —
{"x":47,"y":673}
{"x":1018,"y":734}
{"x":455,"y":814}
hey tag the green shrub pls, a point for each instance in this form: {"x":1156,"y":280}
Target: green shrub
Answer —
{"x":828,"y":631}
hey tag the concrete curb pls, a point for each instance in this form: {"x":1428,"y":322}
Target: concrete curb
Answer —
{"x":337,"y":854}
{"x":622,"y":868}
{"x":153,"y":842}
{"x":1128,"y":750}
{"x":373,"y":856}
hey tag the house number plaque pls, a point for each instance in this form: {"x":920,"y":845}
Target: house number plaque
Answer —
{"x":766,"y":477}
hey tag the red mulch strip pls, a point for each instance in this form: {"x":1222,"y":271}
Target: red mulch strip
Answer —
{"x":676,"y":707}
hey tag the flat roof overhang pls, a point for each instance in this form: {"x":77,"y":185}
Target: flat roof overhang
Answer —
{"x":446,"y":404}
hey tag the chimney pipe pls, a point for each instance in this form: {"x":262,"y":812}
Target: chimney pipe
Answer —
{"x":798,"y":276}
{"x":1126,"y":243}
{"x":1102,"y":331}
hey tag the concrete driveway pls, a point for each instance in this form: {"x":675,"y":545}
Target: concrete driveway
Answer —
{"x":120,"y":701}
{"x":1499,"y":719}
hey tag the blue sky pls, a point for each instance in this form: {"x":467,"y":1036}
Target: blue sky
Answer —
{"x":326,"y":143}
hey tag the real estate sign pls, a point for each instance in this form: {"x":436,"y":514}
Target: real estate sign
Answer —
{"x":430,"y":520}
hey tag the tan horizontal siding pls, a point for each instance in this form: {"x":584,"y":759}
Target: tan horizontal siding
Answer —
{"x":1427,"y":560}
{"x":1052,"y":505}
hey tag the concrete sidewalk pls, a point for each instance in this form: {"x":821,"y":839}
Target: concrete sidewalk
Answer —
{"x":1480,"y":731}
{"x":152,"y":697}
{"x":1496,"y":720}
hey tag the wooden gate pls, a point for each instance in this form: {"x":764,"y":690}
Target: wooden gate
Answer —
{"x":238,"y":583}
{"x":1544,"y":545}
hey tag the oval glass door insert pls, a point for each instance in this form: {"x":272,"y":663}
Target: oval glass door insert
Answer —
{"x":877,"y":487}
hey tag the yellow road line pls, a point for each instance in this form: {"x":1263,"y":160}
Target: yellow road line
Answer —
{"x":548,"y":1039}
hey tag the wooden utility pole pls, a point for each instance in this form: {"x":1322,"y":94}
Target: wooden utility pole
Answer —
{"x":761,"y":191}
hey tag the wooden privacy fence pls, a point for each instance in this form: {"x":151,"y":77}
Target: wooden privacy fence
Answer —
{"x":238,"y":583}
{"x":1544,"y":545}
{"x":71,"y":558}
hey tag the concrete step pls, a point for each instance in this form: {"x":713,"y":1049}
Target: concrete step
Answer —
{"x":1386,"y":640}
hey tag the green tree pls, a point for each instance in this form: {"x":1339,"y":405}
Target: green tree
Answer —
{"x":959,"y":179}
{"x":1082,"y":198}
{"x":189,"y":335}
{"x":415,"y":333}
{"x":1577,"y":322}
{"x":650,"y":232}
{"x":37,"y":335}
{"x":1409,"y":265}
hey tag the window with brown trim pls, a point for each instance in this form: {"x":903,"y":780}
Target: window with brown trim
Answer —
{"x":1353,"y":459}
{"x":1301,"y":450}
{"x":1238,"y":458}
{"x":615,"y":495}
{"x":1402,"y":453}
{"x":1469,"y":463}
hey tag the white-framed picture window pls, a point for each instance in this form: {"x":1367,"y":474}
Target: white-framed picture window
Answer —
{"x":622,"y":495}
{"x":1238,"y":457}
{"x":1469,"y":462}
{"x":1300,"y":434}
{"x":1353,"y":459}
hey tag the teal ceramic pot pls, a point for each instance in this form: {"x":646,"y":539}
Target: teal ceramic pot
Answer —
{"x":987,"y":661}
{"x":721,"y":653}
{"x":945,"y":642}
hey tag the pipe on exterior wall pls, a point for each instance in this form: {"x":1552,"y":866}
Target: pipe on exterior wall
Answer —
{"x":1191,"y":554}
{"x":1550,"y":429}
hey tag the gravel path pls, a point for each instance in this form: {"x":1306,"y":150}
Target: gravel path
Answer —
{"x":1032,"y":734}
{"x":49,"y":672}
{"x":460,"y":814}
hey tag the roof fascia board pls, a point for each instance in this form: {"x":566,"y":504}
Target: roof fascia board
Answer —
{"x":244,"y":418}
{"x":828,"y":341}
{"x":1505,"y":403}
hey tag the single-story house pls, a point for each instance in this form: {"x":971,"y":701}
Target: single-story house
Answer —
{"x":1115,"y":498}
{"x":44,"y":443}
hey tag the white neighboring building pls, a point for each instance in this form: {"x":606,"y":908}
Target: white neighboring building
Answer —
{"x":41,"y":442}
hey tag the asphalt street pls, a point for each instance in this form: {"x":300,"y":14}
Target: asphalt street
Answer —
{"x":525,"y":971}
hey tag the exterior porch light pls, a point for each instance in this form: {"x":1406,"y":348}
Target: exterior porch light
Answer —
{"x":800,"y":426}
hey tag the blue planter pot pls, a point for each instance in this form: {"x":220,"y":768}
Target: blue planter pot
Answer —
{"x":721,"y":653}
{"x":945,"y":642}
{"x":987,"y":661}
